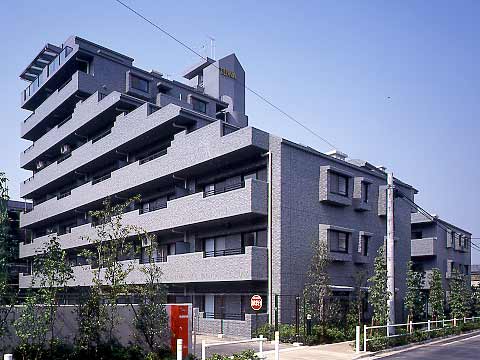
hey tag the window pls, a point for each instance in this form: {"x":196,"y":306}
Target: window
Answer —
{"x":338,"y":184}
{"x":339,"y":241}
{"x":365,"y":188}
{"x":365,"y":239}
{"x":255,"y":238}
{"x":139,"y":83}
{"x":417,"y":235}
{"x":83,"y":66}
{"x":198,"y":105}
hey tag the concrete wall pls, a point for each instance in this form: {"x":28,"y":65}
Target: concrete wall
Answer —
{"x":236,"y":328}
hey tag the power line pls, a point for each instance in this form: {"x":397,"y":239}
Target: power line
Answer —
{"x":256,"y":93}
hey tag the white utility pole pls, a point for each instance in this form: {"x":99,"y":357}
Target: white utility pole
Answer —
{"x":390,"y":248}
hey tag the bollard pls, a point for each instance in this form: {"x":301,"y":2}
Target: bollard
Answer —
{"x":204,"y":356}
{"x":260,"y":347}
{"x":179,"y":349}
{"x":357,"y":339}
{"x":8,"y":357}
{"x":365,"y":338}
{"x":277,"y":345}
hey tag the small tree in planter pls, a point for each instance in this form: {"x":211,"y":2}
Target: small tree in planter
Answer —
{"x":32,"y":327}
{"x":111,"y":246}
{"x":413,"y":297}
{"x":151,"y":319}
{"x":437,"y":295}
{"x":458,"y":300}
{"x":52,"y":273}
{"x":317,"y":289}
{"x":379,"y":293}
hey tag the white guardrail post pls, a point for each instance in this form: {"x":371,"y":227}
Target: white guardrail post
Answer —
{"x":204,"y":355}
{"x":429,"y":327}
{"x":260,"y":347}
{"x":357,"y":339}
{"x":179,"y":349}
{"x":8,"y":357}
{"x":365,"y":338}
{"x":277,"y":345}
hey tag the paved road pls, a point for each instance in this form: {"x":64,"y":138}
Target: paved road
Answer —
{"x":464,"y":348}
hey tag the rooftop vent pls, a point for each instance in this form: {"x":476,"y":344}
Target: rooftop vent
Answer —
{"x":337,"y":155}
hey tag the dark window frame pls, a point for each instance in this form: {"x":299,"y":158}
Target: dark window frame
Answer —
{"x":334,"y":239}
{"x":335,"y":185}
{"x":365,"y":240}
{"x":135,"y":85}
{"x":365,"y":189}
{"x":196,"y":102}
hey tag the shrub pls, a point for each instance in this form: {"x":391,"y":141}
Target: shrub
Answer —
{"x":244,"y":355}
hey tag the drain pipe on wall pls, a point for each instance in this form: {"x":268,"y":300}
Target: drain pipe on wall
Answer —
{"x":269,"y":238}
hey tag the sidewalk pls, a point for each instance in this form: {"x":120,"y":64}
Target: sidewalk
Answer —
{"x":338,"y":351}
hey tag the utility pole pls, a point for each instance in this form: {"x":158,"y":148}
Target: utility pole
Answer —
{"x":390,"y":249}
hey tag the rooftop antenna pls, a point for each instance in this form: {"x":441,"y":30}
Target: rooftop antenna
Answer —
{"x":212,"y":47}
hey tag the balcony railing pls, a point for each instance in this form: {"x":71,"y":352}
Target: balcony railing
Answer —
{"x":153,"y":208}
{"x":101,"y":178}
{"x":224,"y":189}
{"x":155,"y":258}
{"x":224,"y":316}
{"x":101,"y":136}
{"x":153,"y":156}
{"x":225,"y":252}
{"x":47,"y":71}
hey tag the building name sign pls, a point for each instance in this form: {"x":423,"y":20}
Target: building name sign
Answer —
{"x":228,"y":73}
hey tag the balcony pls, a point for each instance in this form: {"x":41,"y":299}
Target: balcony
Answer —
{"x":82,"y":113}
{"x":203,"y":149}
{"x":187,"y":268}
{"x":147,"y":119}
{"x":188,"y":211}
{"x":424,"y":247}
{"x":35,"y":93}
{"x":59,"y":105}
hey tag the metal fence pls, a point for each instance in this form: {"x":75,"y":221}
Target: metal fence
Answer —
{"x":405,"y":329}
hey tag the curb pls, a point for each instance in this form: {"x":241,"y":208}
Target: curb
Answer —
{"x":403,"y":348}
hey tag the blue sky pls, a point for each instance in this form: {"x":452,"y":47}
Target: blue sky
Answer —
{"x":396,"y":83}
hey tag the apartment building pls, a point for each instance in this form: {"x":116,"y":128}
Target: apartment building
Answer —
{"x":439,"y":244}
{"x":235,"y":209}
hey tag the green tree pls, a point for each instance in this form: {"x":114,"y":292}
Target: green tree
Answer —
{"x":32,"y":326}
{"x":379,"y":293}
{"x":437,"y":295}
{"x":151,"y":319}
{"x":110,"y":246}
{"x":458,"y":299}
{"x":356,"y":305}
{"x":413,"y":297}
{"x":475,"y":300}
{"x":7,"y":293}
{"x":52,"y":274}
{"x":317,"y":290}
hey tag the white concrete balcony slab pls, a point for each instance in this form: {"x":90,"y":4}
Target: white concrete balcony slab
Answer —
{"x":186,"y":268}
{"x":80,"y":83}
{"x":186,"y":150}
{"x":185,"y":211}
